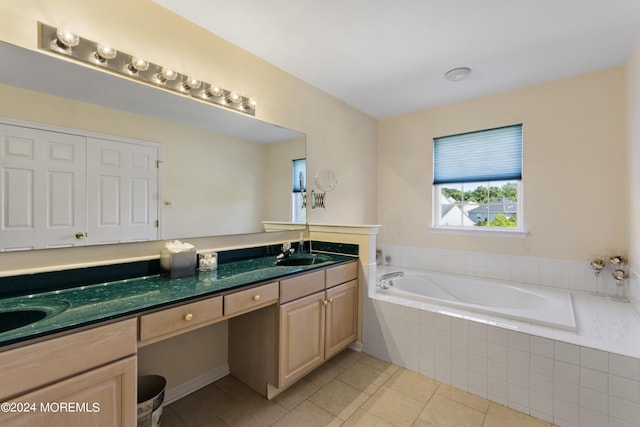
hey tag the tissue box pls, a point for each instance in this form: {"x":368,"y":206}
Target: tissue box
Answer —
{"x":177,"y":265}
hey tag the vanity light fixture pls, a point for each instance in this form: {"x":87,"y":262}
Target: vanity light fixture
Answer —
{"x":166,"y":75}
{"x":65,"y":39}
{"x":105,"y":52}
{"x":249,"y":104}
{"x":65,"y":43}
{"x":212,"y":90}
{"x":138,"y":64}
{"x":233,"y":98}
{"x":191,"y":83}
{"x":457,"y":74}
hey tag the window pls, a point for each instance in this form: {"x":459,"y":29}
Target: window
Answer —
{"x":477,"y":180}
{"x":299,"y":192}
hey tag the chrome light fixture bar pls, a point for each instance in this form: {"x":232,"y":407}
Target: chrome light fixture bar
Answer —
{"x":101,"y":56}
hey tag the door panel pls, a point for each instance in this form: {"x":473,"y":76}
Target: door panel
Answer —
{"x":42,"y":188}
{"x":123,"y":191}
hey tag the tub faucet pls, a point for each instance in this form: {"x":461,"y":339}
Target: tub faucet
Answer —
{"x":386,"y":280}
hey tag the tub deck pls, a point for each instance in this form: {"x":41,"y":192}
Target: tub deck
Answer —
{"x":602,"y":324}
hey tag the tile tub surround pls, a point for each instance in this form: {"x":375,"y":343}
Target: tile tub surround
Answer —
{"x":566,"y":384}
{"x":561,"y":273}
{"x":589,"y":378}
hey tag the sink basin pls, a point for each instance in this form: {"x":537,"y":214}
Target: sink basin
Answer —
{"x":302,"y":260}
{"x":22,"y":313}
{"x":10,"y":320}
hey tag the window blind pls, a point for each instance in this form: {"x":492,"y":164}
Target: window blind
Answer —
{"x":486,"y":155}
{"x":298,"y":178}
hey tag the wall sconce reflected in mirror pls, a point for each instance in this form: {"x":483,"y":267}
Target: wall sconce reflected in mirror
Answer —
{"x":102,"y":56}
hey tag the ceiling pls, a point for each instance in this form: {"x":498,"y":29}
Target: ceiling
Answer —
{"x":388,"y":57}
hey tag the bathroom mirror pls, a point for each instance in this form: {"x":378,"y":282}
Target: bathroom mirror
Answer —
{"x":222,"y":172}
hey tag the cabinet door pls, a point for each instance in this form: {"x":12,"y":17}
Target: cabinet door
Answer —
{"x":102,"y":397}
{"x":342,"y":317}
{"x":42,"y":189}
{"x":301,"y":345}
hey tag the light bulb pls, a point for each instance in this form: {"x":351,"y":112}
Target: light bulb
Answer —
{"x":191,"y":83}
{"x":138,"y":64}
{"x":105,"y":52}
{"x":214,"y":91}
{"x":249,"y":104}
{"x":66,"y":39}
{"x":234,"y":98}
{"x":166,"y":75}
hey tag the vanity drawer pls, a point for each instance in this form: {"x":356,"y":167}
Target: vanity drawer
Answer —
{"x":35,"y":365}
{"x":251,"y":299}
{"x":341,"y":274}
{"x":300,"y":286}
{"x":173,"y":321}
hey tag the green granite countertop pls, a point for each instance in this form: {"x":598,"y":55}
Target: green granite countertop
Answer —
{"x":84,"y":305}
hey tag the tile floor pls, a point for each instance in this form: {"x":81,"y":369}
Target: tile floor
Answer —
{"x":352,"y":389}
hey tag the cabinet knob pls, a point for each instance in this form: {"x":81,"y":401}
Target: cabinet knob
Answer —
{"x":325,"y":302}
{"x":330,"y":299}
{"x":188,"y":316}
{"x":256,"y":298}
{"x":79,"y":235}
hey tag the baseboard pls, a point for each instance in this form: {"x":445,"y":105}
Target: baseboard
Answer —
{"x":184,"y":389}
{"x":356,"y":345}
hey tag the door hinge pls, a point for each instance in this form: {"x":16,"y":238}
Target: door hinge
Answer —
{"x":158,"y":164}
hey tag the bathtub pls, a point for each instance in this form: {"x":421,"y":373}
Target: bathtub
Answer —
{"x":535,"y":304}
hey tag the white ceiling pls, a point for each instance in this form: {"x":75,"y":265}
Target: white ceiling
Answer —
{"x":388,"y":57}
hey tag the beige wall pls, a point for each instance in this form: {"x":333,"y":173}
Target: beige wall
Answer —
{"x":633,"y":158}
{"x":277,"y":182}
{"x":574,"y":168}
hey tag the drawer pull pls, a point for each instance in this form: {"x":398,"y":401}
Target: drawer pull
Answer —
{"x":188,"y":316}
{"x":256,"y":298}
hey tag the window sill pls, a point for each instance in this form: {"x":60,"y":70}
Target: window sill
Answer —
{"x":508,"y":234}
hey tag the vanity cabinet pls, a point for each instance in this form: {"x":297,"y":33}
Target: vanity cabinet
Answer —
{"x":341,"y":317}
{"x":85,"y":378}
{"x":302,"y":337}
{"x":317,"y":326}
{"x":317,"y":316}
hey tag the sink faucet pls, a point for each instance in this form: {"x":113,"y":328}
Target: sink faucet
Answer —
{"x":287,"y":250}
{"x":386,"y":280}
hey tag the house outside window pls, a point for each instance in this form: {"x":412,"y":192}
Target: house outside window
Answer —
{"x":478,"y":180}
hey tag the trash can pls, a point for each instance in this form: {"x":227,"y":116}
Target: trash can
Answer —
{"x":150,"y":399}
